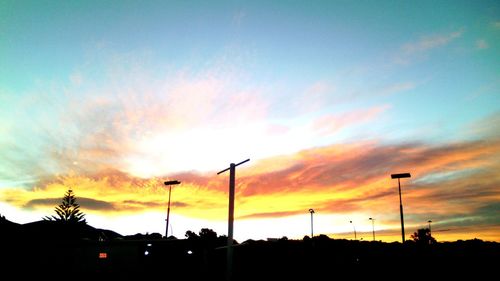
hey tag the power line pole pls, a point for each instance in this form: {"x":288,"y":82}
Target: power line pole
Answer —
{"x":399,"y":176}
{"x":232,"y":175}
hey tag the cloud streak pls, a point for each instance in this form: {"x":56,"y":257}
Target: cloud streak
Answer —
{"x":430,"y":42}
{"x":86,"y":203}
{"x":411,"y":51}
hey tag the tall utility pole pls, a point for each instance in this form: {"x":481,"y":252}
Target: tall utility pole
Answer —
{"x":169,"y":184}
{"x":353,"y":227}
{"x":373,"y":227}
{"x":399,"y":176}
{"x":232,"y":175}
{"x":312,"y":228}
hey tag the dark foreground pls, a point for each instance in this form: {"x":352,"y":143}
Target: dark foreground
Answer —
{"x":59,"y":257}
{"x":259,"y":260}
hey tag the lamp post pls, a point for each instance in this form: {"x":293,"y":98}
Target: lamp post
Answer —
{"x":169,"y":184}
{"x":353,"y":227}
{"x":430,"y":233}
{"x":232,"y":175}
{"x":373,"y":227}
{"x":399,"y":176}
{"x":312,"y":229}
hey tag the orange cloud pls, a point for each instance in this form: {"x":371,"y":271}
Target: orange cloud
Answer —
{"x":455,"y":185}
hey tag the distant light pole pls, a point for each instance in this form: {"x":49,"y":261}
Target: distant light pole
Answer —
{"x":373,"y":227}
{"x":429,"y":221}
{"x":353,"y":227}
{"x":399,"y":176}
{"x":169,"y":184}
{"x":312,"y":229}
{"x":232,"y":175}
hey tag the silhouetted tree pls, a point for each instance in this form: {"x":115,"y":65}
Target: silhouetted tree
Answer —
{"x":423,"y":237}
{"x":207,"y":234}
{"x":190,"y":235}
{"x":322,"y":237}
{"x":68,"y":211}
{"x":155,"y":235}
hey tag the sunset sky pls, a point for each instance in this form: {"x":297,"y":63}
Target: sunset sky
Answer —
{"x":327,"y":99}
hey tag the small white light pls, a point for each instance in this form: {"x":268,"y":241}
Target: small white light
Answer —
{"x":149,"y":245}
{"x":146,"y":253}
{"x":189,"y":252}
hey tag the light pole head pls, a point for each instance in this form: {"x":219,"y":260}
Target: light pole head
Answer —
{"x":172,"y":182}
{"x":370,"y":219}
{"x":429,"y":221}
{"x":311,"y":211}
{"x":399,"y":176}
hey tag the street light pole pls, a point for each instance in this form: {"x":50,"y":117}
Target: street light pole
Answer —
{"x":169,"y":184}
{"x":373,"y":227}
{"x":312,"y":212}
{"x":430,"y":233}
{"x":232,"y":175}
{"x":353,"y":227}
{"x":399,"y":176}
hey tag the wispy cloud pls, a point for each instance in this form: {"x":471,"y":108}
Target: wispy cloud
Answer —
{"x":425,"y":44}
{"x":481,"y":44}
{"x":316,"y":96}
{"x":430,"y":42}
{"x":331,"y":123}
{"x":488,"y":127}
{"x":132,"y":123}
{"x":397,"y":88}
{"x":148,"y":125}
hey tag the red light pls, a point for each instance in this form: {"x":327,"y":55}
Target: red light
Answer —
{"x":103,"y":255}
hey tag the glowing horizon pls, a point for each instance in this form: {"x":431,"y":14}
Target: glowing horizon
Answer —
{"x":327,"y":99}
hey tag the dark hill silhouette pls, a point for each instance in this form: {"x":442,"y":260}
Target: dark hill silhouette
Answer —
{"x":7,"y":225}
{"x":8,"y":228}
{"x":54,"y":230}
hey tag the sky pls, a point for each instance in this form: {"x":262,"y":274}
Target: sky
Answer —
{"x":326,"y":98}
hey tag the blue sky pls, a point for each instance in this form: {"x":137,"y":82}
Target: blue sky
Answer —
{"x":361,"y":47}
{"x":156,"y":88}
